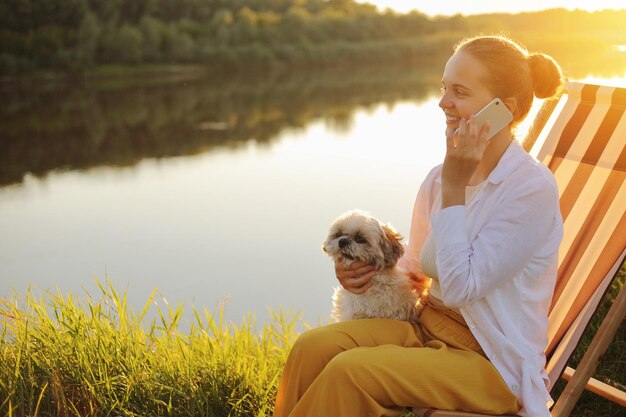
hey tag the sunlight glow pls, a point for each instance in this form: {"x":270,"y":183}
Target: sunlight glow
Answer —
{"x":490,"y":6}
{"x":618,"y":81}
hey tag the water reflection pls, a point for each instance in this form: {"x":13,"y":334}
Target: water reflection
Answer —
{"x":86,"y":125}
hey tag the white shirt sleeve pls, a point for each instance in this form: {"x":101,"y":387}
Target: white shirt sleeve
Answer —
{"x":521,"y":222}
{"x":420,"y":225}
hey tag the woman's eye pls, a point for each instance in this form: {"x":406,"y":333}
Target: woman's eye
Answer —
{"x":360,"y":239}
{"x":457,"y":92}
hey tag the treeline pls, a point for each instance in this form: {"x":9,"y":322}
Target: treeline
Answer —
{"x":78,"y":35}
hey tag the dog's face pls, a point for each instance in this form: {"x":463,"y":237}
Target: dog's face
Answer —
{"x":358,"y":236}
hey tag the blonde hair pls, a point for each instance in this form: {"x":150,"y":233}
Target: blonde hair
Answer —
{"x":514,"y":72}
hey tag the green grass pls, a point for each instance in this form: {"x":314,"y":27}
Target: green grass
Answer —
{"x":59,"y":357}
{"x":63,"y":357}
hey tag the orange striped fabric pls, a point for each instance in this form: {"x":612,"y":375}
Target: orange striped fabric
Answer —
{"x":585,"y":147}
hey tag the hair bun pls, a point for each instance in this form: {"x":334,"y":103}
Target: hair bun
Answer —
{"x":547,"y":75}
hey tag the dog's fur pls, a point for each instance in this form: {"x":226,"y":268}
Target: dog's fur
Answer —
{"x":356,"y":235}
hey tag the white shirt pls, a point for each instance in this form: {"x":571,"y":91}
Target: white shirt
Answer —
{"x":496,"y":263}
{"x":428,"y":252}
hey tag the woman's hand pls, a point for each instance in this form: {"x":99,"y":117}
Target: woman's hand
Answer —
{"x":356,"y":278}
{"x":464,"y":151}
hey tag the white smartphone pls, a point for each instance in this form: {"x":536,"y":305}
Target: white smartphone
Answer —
{"x":497,"y":114}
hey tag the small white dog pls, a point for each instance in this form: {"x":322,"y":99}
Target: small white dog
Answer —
{"x":357,"y":235}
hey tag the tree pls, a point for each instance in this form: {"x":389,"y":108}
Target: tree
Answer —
{"x":107,"y":11}
{"x":130,"y":43}
{"x":152,"y":33}
{"x":87,"y":41}
{"x":177,"y":46}
{"x":121,"y":45}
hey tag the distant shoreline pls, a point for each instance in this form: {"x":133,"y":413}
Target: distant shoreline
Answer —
{"x":577,"y":55}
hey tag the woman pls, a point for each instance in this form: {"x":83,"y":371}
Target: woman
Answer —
{"x":486,"y":228}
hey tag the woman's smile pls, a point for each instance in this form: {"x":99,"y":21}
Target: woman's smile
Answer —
{"x":452,"y":119}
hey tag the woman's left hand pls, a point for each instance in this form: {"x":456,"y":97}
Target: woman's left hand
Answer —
{"x":464,"y":151}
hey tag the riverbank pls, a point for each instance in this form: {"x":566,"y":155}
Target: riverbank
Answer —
{"x":63,"y":357}
{"x":106,"y":77}
{"x":580,"y":54}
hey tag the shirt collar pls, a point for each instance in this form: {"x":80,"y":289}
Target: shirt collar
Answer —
{"x":510,"y":160}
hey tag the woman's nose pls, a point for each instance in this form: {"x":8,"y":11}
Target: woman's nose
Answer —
{"x":445,"y":102}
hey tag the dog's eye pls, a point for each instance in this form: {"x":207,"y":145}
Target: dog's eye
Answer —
{"x":360,"y":239}
{"x":338,"y":235}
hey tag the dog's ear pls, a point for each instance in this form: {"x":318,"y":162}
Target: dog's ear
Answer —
{"x":325,"y":245}
{"x":392,"y":246}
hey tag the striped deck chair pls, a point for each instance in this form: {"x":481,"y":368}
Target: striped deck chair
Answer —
{"x":583,"y":141}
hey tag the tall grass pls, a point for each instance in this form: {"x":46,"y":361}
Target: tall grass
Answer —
{"x":62,"y":357}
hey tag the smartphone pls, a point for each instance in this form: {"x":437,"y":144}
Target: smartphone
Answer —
{"x":497,"y":114}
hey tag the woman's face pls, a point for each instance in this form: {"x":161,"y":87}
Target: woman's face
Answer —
{"x":464,"y":89}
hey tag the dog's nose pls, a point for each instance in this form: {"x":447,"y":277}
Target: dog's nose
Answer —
{"x":343,"y":242}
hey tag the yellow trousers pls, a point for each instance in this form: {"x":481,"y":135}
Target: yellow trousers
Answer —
{"x":377,"y":367}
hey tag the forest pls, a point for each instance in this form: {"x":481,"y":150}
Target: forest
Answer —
{"x":77,"y":36}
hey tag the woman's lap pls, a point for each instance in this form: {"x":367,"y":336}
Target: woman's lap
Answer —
{"x":381,"y":364}
{"x":434,"y":375}
{"x":364,"y":333}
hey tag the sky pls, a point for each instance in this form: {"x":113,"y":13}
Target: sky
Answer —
{"x":450,"y":7}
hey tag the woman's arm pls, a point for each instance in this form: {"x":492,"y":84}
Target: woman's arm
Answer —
{"x":503,"y":247}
